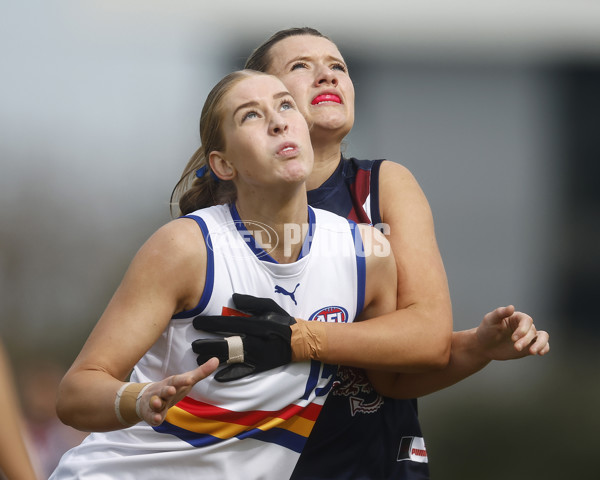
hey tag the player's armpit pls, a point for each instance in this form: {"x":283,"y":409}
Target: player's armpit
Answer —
{"x":381,"y":281}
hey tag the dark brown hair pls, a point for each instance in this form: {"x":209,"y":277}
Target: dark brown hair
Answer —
{"x":194,"y":191}
{"x":260,"y":60}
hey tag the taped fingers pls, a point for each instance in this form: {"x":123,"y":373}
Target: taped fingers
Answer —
{"x":208,"y":348}
{"x":250,"y":354}
{"x":235,"y":349}
{"x":227,"y":350}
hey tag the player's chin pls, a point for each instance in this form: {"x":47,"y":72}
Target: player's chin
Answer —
{"x":296,"y":171}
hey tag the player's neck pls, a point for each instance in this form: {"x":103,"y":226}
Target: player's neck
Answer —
{"x":327,"y":158}
{"x":281,"y":222}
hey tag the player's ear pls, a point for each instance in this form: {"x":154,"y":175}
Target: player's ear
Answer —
{"x":219,"y":164}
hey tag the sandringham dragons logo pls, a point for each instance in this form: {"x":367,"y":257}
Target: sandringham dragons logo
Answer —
{"x":353,"y":383}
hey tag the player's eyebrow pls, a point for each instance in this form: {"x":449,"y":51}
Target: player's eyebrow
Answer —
{"x":304,"y":58}
{"x":281,"y":94}
{"x":251,"y":103}
{"x":254,"y":103}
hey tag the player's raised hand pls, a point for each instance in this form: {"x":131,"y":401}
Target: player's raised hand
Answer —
{"x":158,"y":397}
{"x":505,"y":334}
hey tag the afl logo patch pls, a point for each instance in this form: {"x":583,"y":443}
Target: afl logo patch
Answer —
{"x":331,"y":315}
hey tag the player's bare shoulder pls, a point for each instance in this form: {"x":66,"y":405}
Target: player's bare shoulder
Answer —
{"x":180,"y":237}
{"x":400,"y":195}
{"x":395,"y":172}
{"x":176,"y":253}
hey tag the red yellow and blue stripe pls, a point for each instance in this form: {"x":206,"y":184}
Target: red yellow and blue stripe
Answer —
{"x":201,"y":424}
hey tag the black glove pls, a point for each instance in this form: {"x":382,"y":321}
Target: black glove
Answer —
{"x":265,"y":338}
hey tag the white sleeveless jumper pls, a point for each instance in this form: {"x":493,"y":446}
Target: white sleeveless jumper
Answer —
{"x":255,"y":427}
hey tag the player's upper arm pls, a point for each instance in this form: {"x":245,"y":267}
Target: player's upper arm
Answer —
{"x":166,"y":276}
{"x":422,"y":284}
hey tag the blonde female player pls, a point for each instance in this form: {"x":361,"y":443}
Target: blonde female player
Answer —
{"x":166,"y":424}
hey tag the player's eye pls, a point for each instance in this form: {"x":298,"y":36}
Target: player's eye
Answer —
{"x":287,"y":104}
{"x":249,"y":115}
{"x":298,"y":65}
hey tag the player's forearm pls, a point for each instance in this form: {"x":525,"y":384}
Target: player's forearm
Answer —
{"x":86,"y":401}
{"x":397,"y":342}
{"x":466,"y":358}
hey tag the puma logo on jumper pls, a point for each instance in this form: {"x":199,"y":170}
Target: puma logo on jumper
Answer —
{"x":283,"y":291}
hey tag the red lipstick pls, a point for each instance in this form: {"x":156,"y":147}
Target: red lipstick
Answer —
{"x":326,"y":97}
